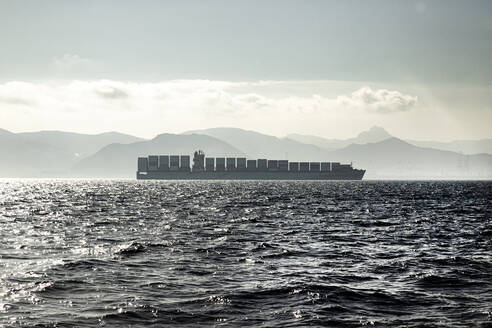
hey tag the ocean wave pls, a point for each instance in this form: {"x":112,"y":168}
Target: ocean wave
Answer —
{"x":276,"y":254}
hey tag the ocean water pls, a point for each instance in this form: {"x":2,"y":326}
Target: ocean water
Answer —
{"x":273,"y":254}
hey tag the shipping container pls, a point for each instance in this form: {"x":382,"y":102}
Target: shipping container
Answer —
{"x":153,"y":162}
{"x":163,"y":163}
{"x":220,"y":164}
{"x":251,"y":165}
{"x":241,"y":164}
{"x":335,"y":166}
{"x":283,"y":165}
{"x":293,"y":167}
{"x":262,"y":165}
{"x":272,"y":165}
{"x":304,"y":166}
{"x":174,"y":162}
{"x":143,"y":164}
{"x":231,"y":163}
{"x":314,"y":167}
{"x":209,"y":164}
{"x":325,"y":166}
{"x":185,"y":163}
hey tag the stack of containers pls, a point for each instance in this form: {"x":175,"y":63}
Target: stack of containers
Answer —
{"x":185,"y":163}
{"x":143,"y":164}
{"x":262,"y":165}
{"x":163,"y":163}
{"x":231,"y":164}
{"x":251,"y":165}
{"x":293,"y":166}
{"x":314,"y":167}
{"x":241,"y":164}
{"x":209,"y":164}
{"x":283,"y":165}
{"x":153,"y":162}
{"x":304,"y":166}
{"x":325,"y":166}
{"x":174,"y":162}
{"x":272,"y":165}
{"x":220,"y":164}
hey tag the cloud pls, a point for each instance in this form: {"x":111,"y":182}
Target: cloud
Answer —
{"x":111,"y":92}
{"x":15,"y":101}
{"x":19,"y":93}
{"x":199,"y":96}
{"x":177,"y":105}
{"x":381,"y":100}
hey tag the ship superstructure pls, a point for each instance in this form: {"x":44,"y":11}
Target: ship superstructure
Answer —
{"x":177,"y":167}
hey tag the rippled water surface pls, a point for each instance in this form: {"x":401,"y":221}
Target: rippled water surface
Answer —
{"x":278,"y":254}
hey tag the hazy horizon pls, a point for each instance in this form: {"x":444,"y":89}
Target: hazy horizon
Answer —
{"x":251,"y":130}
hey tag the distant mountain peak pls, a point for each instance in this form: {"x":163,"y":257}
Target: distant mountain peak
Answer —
{"x":374,"y":134}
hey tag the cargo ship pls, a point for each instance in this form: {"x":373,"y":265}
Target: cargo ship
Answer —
{"x":177,"y":167}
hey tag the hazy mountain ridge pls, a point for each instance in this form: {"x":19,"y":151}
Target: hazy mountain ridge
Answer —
{"x":259,"y":145}
{"x":375,"y":134}
{"x":397,"y":159}
{"x":49,"y":153}
{"x":21,"y":157}
{"x":120,"y":160}
{"x":467,"y":147}
{"x":81,"y":145}
{"x":42,"y":154}
{"x":375,"y":150}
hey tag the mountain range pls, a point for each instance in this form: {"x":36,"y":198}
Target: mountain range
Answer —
{"x":113,"y":155}
{"x":50,"y":153}
{"x":119,"y":160}
{"x":397,"y":159}
{"x":258,"y":145}
{"x":375,"y":134}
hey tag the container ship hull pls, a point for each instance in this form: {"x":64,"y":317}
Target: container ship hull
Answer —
{"x":178,"y":167}
{"x":353,"y":175}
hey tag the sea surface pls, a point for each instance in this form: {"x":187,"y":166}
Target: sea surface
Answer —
{"x":273,"y":254}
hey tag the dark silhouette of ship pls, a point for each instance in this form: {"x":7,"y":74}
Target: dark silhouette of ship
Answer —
{"x":177,"y":167}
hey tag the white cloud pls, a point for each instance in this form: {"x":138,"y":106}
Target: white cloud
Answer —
{"x":197,"y":95}
{"x":150,"y":108}
{"x":382,"y":100}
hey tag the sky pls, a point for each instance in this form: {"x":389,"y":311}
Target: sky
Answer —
{"x":420,"y":69}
